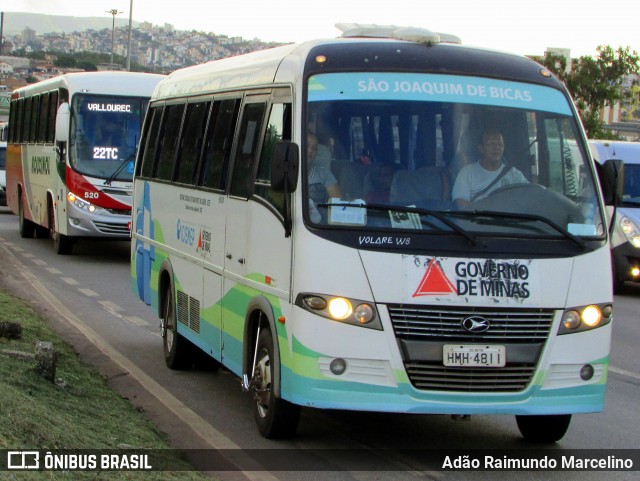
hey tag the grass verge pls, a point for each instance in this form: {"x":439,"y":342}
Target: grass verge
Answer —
{"x":78,"y":411}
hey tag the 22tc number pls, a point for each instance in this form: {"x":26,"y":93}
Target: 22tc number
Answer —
{"x":108,"y":153}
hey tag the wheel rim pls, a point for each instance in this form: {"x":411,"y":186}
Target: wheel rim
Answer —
{"x":169,"y":324}
{"x":262,"y":382}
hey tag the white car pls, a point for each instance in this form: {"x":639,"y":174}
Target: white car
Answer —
{"x":625,"y":243}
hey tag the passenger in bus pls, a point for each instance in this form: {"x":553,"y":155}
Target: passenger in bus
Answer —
{"x":479,"y":179}
{"x":322,"y":183}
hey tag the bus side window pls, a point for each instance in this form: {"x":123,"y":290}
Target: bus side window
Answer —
{"x":172,"y":120}
{"x":44,"y":118}
{"x":149,"y":154}
{"x":278,"y":129}
{"x":26,"y":120}
{"x":218,"y":142}
{"x":53,"y":111}
{"x":190,"y":145}
{"x":247,"y":150}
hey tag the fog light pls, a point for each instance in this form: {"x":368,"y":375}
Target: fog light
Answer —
{"x":635,"y":271}
{"x":338,"y":366}
{"x":75,"y":221}
{"x":586,"y":373}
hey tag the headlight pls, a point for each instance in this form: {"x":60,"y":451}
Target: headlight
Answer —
{"x":83,"y":204}
{"x":342,"y":309}
{"x":631,"y":231}
{"x":584,"y":318}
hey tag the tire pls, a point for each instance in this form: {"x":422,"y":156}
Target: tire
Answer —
{"x":178,"y":352}
{"x":543,"y":429}
{"x":275,"y":417}
{"x":62,"y":244}
{"x":27,"y":228}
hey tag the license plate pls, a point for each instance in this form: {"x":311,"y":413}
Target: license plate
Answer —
{"x":456,"y":355}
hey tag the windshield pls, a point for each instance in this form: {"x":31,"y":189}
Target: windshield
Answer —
{"x":440,"y":152}
{"x":631,"y":193}
{"x":105,"y":131}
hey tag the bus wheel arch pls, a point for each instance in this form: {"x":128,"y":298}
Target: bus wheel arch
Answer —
{"x":275,"y":417}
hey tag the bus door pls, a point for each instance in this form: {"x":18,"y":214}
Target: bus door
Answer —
{"x":238,"y":260}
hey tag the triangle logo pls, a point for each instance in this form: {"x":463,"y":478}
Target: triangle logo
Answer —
{"x":434,"y":282}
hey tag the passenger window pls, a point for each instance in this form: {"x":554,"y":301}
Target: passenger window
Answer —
{"x":26,"y":121}
{"x":53,"y":111}
{"x":44,"y":118}
{"x":219,"y":139}
{"x":149,"y":154}
{"x":33,"y":124}
{"x":195,"y":123}
{"x":278,"y":128}
{"x":167,"y":147}
{"x":247,"y":150}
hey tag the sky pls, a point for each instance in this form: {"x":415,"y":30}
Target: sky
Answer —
{"x":526,"y":28}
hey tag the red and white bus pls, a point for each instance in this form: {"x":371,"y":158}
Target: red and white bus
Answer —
{"x":71,"y":151}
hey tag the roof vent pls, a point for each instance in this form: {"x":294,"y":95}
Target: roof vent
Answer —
{"x":411,"y":34}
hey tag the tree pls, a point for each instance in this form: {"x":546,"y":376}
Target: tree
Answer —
{"x":595,"y":82}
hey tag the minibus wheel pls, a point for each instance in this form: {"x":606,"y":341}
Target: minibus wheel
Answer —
{"x":177,"y":350}
{"x":543,"y":428}
{"x":276,"y":418}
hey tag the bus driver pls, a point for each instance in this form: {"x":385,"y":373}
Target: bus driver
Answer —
{"x":488,"y":174}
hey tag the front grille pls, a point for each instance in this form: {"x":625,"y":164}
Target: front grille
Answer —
{"x":443,"y":323}
{"x":422,"y":331}
{"x":111,"y":228}
{"x":433,"y":377}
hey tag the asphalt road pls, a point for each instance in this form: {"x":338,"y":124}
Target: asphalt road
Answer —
{"x":88,"y":298}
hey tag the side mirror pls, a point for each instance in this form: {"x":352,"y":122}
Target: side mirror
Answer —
{"x":611,"y":175}
{"x":284,"y":167}
{"x":62,"y":122}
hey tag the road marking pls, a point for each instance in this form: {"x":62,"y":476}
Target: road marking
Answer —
{"x":16,"y":248}
{"x":137,"y":321}
{"x":111,"y":306}
{"x":89,"y":292}
{"x":624,"y":372}
{"x":53,"y":270}
{"x":28,"y":255}
{"x":70,"y":280}
{"x":39,"y":262}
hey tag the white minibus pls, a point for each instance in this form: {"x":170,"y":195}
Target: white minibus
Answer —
{"x":293,"y":220}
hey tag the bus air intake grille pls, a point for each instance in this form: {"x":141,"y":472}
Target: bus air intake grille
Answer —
{"x":436,"y":377}
{"x":188,"y":309}
{"x":112,"y":228}
{"x":431,"y":323}
{"x":183,"y":308}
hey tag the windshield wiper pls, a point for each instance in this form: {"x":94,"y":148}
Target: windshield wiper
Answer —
{"x":118,"y":169}
{"x":534,"y":217}
{"x":415,"y":210}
